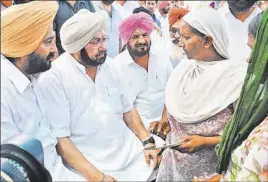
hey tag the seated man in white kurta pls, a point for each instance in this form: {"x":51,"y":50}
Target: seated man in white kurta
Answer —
{"x":26,"y":50}
{"x":87,"y":112}
{"x":144,"y":69}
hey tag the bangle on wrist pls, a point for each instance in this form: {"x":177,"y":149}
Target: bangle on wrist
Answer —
{"x":103,"y":176}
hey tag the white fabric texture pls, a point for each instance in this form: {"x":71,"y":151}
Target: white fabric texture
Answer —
{"x":91,"y":115}
{"x":197,"y":90}
{"x":145,"y":90}
{"x":209,"y":22}
{"x":237,"y":33}
{"x":77,"y":31}
{"x":21,"y":111}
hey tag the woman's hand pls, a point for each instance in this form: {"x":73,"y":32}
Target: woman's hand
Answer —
{"x":159,"y":128}
{"x":215,"y":178}
{"x":189,"y":144}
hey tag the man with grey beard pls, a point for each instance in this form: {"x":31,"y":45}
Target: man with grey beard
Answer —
{"x":176,"y":53}
{"x":100,"y":135}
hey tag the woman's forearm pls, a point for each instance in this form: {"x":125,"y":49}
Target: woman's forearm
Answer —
{"x":212,"y":140}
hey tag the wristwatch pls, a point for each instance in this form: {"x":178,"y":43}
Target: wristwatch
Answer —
{"x":149,"y":140}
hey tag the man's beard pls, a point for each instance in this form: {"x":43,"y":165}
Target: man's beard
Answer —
{"x":135,"y":52}
{"x":165,"y":11}
{"x":37,"y":64}
{"x":176,"y":54}
{"x":87,"y":61}
{"x":175,"y":41}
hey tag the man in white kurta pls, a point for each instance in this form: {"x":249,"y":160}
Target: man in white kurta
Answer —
{"x":144,"y":69}
{"x":88,"y":112}
{"x":21,"y":64}
{"x":125,"y":8}
{"x":238,"y":28}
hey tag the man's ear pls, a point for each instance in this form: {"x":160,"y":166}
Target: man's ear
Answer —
{"x":208,"y":41}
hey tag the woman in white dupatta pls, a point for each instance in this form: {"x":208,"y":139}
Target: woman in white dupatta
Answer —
{"x":199,"y":97}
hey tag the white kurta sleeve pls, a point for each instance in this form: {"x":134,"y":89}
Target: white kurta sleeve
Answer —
{"x":119,"y":80}
{"x":56,"y":103}
{"x":8,"y":127}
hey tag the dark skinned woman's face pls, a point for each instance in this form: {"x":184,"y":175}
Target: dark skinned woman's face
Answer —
{"x":192,"y":44}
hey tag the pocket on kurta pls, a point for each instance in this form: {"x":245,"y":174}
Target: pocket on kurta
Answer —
{"x":114,"y":100}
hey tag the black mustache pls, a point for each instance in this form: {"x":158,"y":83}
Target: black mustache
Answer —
{"x":50,"y":56}
{"x":138,"y":45}
{"x":176,"y":40}
{"x":102,"y":52}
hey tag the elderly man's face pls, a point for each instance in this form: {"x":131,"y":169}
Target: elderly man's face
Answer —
{"x":95,"y":51}
{"x":139,"y":43}
{"x":151,"y":5}
{"x":40,"y":59}
{"x":175,"y":33}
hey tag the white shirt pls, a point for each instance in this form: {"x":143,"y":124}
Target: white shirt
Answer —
{"x":237,"y":33}
{"x":91,"y":115}
{"x":146,"y":90}
{"x":127,"y":9}
{"x":165,"y":28}
{"x":21,"y":103}
{"x":113,"y":30}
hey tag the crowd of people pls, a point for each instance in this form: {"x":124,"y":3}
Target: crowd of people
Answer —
{"x":103,"y":84}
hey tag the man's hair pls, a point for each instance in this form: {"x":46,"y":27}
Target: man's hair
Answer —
{"x":254,"y":24}
{"x":142,"y":9}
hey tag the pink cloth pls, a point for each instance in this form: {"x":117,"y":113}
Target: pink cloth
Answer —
{"x":163,"y":4}
{"x":129,"y":25}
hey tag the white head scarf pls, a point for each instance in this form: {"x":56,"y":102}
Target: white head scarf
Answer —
{"x":77,"y":31}
{"x":209,"y":22}
{"x":197,"y":90}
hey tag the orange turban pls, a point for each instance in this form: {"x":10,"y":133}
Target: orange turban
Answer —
{"x":176,"y":15}
{"x":24,"y":26}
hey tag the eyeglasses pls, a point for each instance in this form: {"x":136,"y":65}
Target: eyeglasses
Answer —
{"x":173,"y":31}
{"x":96,"y":42}
{"x":137,"y":37}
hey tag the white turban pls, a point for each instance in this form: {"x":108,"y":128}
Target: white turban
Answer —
{"x":209,"y":22}
{"x":77,"y":31}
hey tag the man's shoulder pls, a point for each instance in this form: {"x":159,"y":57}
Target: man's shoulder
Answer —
{"x":60,"y":67}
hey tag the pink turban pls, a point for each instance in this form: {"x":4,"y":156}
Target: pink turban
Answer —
{"x":129,"y":25}
{"x":163,"y":4}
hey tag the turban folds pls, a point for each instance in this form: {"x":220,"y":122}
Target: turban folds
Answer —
{"x":209,"y":22}
{"x":163,"y":4}
{"x":176,"y":15}
{"x":24,"y":26}
{"x":77,"y":31}
{"x":129,"y":25}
